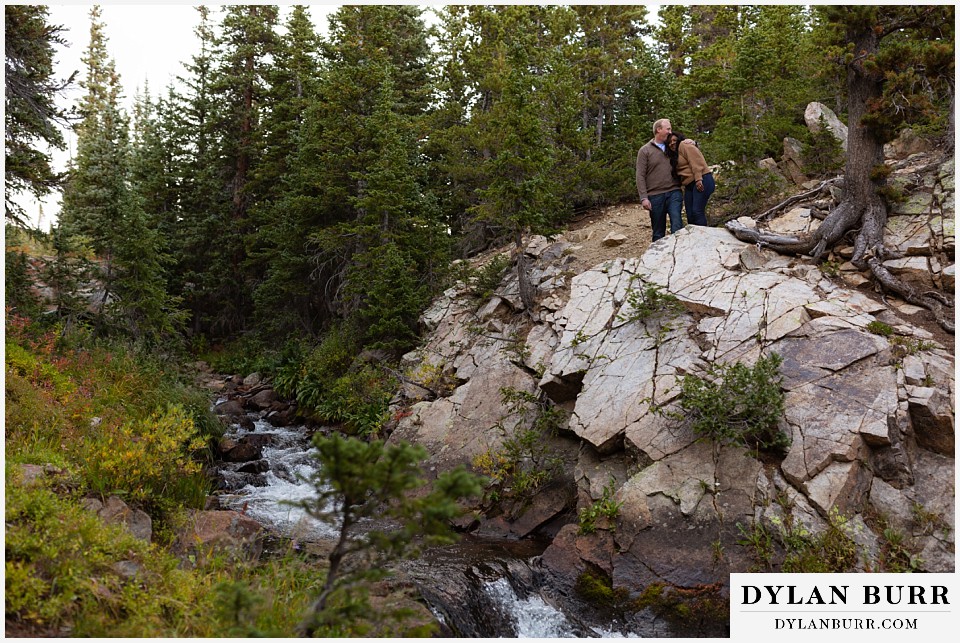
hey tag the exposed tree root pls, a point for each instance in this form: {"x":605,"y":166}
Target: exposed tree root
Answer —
{"x":869,"y":251}
{"x":940,"y":304}
{"x":781,"y":243}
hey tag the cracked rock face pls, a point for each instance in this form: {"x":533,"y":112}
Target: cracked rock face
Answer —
{"x":870,"y":417}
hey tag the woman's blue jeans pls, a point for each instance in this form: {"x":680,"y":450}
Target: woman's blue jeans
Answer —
{"x":662,"y":204}
{"x":696,"y":202}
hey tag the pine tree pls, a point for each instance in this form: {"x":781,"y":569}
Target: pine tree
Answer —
{"x":237,"y":83}
{"x":156,"y":171}
{"x":31,"y":114}
{"x":715,"y":29}
{"x":355,"y":208}
{"x":768,"y":85}
{"x":359,"y":480}
{"x":66,"y":274}
{"x":635,"y":89}
{"x":100,"y":207}
{"x":273,"y":248}
{"x":675,"y":37}
{"x":883,"y":49}
{"x":191,"y":118}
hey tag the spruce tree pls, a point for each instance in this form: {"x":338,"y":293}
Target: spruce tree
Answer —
{"x":31,"y":115}
{"x":191,"y":117}
{"x":100,"y":208}
{"x":237,"y":84}
{"x":274,"y":249}
{"x":356,"y":200}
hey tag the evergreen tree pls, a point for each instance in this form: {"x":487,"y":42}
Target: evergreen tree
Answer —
{"x":31,"y":115}
{"x":191,"y":118}
{"x":675,"y":38}
{"x":357,"y":481}
{"x":95,"y":189}
{"x":237,"y":83}
{"x":610,"y":41}
{"x":768,"y":86}
{"x":66,"y":274}
{"x":508,"y":49}
{"x":18,"y":278}
{"x":631,"y":89}
{"x":273,"y":248}
{"x":883,"y":49}
{"x":157,"y":171}
{"x":355,"y":208}
{"x":99,"y":206}
{"x":449,"y":148}
{"x":714,"y":32}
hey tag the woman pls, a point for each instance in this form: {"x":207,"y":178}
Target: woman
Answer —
{"x":690,"y":169}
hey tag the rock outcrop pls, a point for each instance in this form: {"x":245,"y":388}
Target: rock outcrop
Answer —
{"x":818,"y":115}
{"x":869,"y":413}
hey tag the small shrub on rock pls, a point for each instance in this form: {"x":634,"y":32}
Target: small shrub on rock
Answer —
{"x":649,"y":300}
{"x":605,"y":508}
{"x":738,"y":404}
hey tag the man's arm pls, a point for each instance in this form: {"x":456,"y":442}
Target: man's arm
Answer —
{"x":642,"y":179}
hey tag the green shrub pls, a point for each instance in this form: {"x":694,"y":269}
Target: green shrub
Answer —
{"x":649,"y":300}
{"x":737,"y":404}
{"x":359,"y":400}
{"x":911,"y":346}
{"x":150,"y":460}
{"x":59,"y":571}
{"x":483,"y":281}
{"x":879,"y":328}
{"x":18,"y":284}
{"x":831,"y":551}
{"x":605,"y":508}
{"x":246,"y":355}
{"x":524,"y":463}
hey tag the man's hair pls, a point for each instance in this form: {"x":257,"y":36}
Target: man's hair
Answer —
{"x":658,"y":124}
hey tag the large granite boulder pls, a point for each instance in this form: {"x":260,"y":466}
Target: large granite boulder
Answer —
{"x":818,"y":115}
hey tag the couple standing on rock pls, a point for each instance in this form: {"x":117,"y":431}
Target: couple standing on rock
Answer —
{"x":667,"y":162}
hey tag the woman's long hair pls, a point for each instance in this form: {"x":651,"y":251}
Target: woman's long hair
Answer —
{"x":674,"y":155}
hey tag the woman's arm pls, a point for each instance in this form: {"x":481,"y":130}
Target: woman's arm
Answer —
{"x":694,"y":157}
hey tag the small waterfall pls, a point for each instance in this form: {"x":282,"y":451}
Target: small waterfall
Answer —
{"x":532,"y":617}
{"x":266,"y":496}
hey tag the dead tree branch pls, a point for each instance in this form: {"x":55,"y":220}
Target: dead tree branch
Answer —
{"x":797,"y":198}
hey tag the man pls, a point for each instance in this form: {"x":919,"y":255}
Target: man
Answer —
{"x":659,"y":192}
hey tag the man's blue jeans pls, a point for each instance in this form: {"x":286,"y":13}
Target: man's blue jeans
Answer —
{"x":660,"y":206}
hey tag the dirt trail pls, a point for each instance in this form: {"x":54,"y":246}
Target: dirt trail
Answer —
{"x":589,"y":232}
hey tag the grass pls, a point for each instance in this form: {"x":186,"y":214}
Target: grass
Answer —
{"x":790,"y":547}
{"x":604,"y":511}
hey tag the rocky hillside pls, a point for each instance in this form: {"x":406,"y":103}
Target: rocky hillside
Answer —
{"x":868,"y":386}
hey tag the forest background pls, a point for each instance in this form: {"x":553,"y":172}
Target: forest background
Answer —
{"x":301,"y":198}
